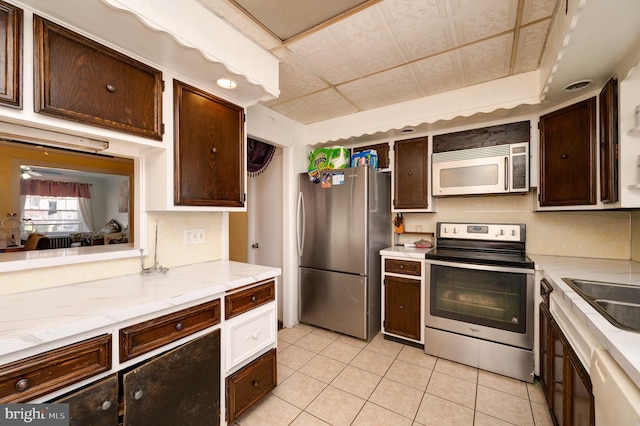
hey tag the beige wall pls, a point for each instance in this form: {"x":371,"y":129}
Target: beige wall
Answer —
{"x":602,"y":234}
{"x":171,"y":253}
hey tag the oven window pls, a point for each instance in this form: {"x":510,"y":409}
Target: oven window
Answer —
{"x":489,"y":298}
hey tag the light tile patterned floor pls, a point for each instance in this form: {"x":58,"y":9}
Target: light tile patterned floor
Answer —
{"x":326,"y":378}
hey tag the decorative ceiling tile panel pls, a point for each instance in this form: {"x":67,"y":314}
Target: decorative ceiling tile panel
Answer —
{"x":479,"y":19}
{"x":411,"y":17}
{"x":316,"y":107}
{"x":390,"y":87}
{"x":430,"y":41}
{"x":438,"y":74}
{"x":295,"y":79}
{"x":537,"y":9}
{"x":530,"y":45}
{"x":485,"y":61}
{"x":359,"y":31}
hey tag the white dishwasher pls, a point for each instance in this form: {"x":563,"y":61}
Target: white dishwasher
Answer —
{"x":617,"y":398}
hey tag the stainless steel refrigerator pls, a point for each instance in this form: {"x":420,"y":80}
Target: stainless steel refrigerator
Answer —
{"x":342,"y":223}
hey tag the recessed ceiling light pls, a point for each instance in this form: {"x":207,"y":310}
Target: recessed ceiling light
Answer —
{"x":577,"y":85}
{"x":226,"y":83}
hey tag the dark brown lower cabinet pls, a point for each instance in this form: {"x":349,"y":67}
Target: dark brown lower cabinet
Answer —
{"x":95,"y":405}
{"x":249,"y":384}
{"x":402,"y":306}
{"x":178,"y":387}
{"x":565,"y":381}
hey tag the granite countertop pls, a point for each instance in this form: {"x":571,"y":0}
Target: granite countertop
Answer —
{"x":624,"y":346}
{"x":37,"y":317}
{"x":408,"y":252}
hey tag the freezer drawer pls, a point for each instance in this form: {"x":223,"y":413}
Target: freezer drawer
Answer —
{"x":335,"y":301}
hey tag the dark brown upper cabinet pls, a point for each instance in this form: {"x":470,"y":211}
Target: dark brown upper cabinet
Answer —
{"x":410,"y":174}
{"x":609,"y":142}
{"x":568,"y":155}
{"x":11,"y":19}
{"x":209,"y":149}
{"x":81,"y":80}
{"x":383,"y":153}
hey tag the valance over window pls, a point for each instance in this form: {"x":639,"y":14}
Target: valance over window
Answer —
{"x":259,"y":155}
{"x":50,"y":188}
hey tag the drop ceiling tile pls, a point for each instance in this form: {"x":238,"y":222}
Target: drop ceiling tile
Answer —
{"x":534,"y":10}
{"x":478,"y":19}
{"x":487,"y":60}
{"x":360,"y":30}
{"x":410,"y":17}
{"x":316,"y":107}
{"x":430,"y":41}
{"x":530,"y":45}
{"x":295,"y":79}
{"x":389,"y":87}
{"x":381,"y":57}
{"x":438,"y":74}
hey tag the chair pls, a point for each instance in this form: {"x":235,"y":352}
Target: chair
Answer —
{"x":36,"y":242}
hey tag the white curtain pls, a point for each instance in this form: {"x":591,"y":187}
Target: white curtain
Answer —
{"x":86,"y":214}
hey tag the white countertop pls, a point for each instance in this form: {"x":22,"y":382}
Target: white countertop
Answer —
{"x":624,"y":346}
{"x":409,"y":252}
{"x":34,"y":318}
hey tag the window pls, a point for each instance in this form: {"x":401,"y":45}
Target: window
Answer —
{"x":47,"y":215}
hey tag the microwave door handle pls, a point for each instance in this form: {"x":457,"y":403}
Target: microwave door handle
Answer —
{"x":506,"y":173}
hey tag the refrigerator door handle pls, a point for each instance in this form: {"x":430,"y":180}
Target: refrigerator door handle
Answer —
{"x":300,"y":225}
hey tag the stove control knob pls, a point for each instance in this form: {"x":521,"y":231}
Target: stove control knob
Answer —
{"x":513,"y":232}
{"x":455,"y":230}
{"x":446,"y":230}
{"x":502,"y":232}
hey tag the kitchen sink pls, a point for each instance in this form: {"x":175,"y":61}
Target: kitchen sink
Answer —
{"x":618,"y":303}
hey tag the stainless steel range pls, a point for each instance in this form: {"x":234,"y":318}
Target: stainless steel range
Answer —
{"x":480,"y":298}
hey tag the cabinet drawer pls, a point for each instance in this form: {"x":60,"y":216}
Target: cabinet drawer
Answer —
{"x":81,"y":80}
{"x":404,"y":267}
{"x":35,"y":376}
{"x":250,"y":384}
{"x":245,"y":300}
{"x":249,"y":334}
{"x":146,"y":336}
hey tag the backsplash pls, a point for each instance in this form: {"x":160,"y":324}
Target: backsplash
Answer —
{"x":171,"y":252}
{"x":601,"y":234}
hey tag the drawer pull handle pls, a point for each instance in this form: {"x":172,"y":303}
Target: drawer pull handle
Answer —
{"x":179,"y":326}
{"x":254,"y":335}
{"x":254,"y":383}
{"x":253,"y":298}
{"x":111,"y":88}
{"x":138,"y":395}
{"x":105,"y":405}
{"x":23,"y":384}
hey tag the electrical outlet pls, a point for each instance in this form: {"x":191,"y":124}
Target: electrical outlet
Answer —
{"x":193,"y":236}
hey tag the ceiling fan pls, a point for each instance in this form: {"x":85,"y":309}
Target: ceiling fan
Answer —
{"x":27,"y":173}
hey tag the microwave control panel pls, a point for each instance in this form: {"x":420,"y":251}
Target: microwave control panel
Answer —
{"x":483,"y":231}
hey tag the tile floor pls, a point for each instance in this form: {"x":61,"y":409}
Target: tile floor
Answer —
{"x":326,"y":378}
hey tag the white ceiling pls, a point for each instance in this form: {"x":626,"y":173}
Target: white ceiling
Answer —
{"x":395,"y":50}
{"x":383,"y":52}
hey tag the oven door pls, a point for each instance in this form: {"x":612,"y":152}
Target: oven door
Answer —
{"x":481,"y":301}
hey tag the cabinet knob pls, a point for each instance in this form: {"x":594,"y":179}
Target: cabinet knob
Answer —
{"x":105,"y":405}
{"x":401,"y":306}
{"x":254,"y":383}
{"x":410,"y":173}
{"x":401,"y":266}
{"x":179,"y":326}
{"x":111,"y":88}
{"x":23,"y":384}
{"x":214,"y":150}
{"x":253,"y":298}
{"x":564,"y":156}
{"x":139,"y":394}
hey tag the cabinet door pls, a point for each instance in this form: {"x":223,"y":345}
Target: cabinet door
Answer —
{"x":95,"y":405}
{"x":179,"y":387}
{"x":402,"y":307}
{"x":580,"y":410}
{"x":567,"y":156}
{"x":557,"y":400}
{"x":81,"y":80}
{"x":411,"y":182}
{"x":546,"y":347}
{"x":209,"y":149}
{"x":609,"y":142}
{"x":10,"y":55}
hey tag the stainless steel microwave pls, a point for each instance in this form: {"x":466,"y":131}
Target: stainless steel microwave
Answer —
{"x":494,"y":169}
